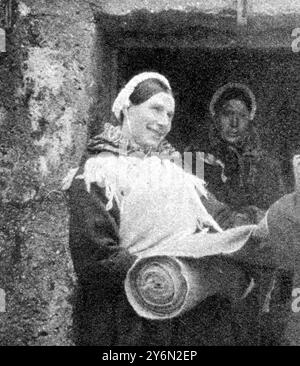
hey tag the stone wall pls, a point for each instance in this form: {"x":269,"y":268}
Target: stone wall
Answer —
{"x":46,"y":93}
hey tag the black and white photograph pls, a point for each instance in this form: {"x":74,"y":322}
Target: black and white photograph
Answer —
{"x":150,"y":175}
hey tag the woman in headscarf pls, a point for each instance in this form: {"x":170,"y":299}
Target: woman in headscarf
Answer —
{"x":130,"y":192}
{"x":242,"y":175}
{"x":237,"y":170}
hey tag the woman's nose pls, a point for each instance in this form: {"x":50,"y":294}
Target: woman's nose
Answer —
{"x":234,"y":121}
{"x":163,"y":120}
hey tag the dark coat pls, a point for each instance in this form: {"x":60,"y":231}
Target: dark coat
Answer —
{"x":282,"y":251}
{"x":284,"y":224}
{"x":249,"y":180}
{"x":102,"y":314}
{"x":249,"y":176}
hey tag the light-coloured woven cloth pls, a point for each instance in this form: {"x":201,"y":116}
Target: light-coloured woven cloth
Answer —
{"x":176,"y":274}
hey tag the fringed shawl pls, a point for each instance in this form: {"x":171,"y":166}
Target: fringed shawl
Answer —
{"x":156,"y":198}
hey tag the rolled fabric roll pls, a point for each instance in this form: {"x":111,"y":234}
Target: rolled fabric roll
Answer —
{"x":163,"y":287}
{"x":156,"y":287}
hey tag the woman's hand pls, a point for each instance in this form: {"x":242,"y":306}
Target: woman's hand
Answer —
{"x":249,"y":215}
{"x":242,"y":219}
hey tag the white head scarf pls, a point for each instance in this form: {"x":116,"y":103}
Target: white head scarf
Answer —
{"x":227,"y":86}
{"x":122,"y":101}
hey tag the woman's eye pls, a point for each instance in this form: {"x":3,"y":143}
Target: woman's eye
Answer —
{"x":157,"y":108}
{"x":228,"y":114}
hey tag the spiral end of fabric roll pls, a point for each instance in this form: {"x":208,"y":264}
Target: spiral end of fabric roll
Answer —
{"x":163,"y":287}
{"x":155,"y":288}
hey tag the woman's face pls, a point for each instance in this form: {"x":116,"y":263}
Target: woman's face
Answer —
{"x":148,"y":123}
{"x":234,"y":121}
